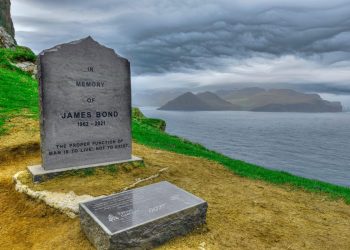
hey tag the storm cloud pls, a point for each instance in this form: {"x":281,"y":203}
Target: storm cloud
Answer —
{"x":199,"y":42}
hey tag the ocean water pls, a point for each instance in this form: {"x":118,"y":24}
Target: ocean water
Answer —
{"x":312,"y":145}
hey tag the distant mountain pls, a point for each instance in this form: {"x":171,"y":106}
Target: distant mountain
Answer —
{"x":155,"y":98}
{"x":241,"y":93}
{"x":280,"y":100}
{"x":242,"y":97}
{"x":187,"y":101}
{"x":253,"y":99}
{"x":206,"y":101}
{"x":216,"y":102}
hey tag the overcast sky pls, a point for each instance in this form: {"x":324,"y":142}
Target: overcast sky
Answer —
{"x":195,"y":43}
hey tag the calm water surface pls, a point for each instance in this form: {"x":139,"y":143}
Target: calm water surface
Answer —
{"x":311,"y":145}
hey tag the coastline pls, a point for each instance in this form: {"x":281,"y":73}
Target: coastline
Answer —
{"x":152,"y":137}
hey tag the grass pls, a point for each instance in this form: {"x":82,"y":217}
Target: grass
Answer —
{"x":18,"y":54}
{"x":153,"y":137}
{"x":18,"y":90}
{"x":18,"y":95}
{"x":113,"y":169}
{"x":155,"y":123}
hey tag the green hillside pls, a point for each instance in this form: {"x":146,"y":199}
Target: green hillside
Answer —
{"x":19,"y":96}
{"x":18,"y":90}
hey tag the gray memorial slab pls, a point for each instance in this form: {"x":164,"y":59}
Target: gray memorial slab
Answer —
{"x":141,"y":218}
{"x":85,"y":100}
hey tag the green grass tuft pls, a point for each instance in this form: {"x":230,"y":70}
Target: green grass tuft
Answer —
{"x":19,"y":54}
{"x":89,"y":171}
{"x":113,"y":169}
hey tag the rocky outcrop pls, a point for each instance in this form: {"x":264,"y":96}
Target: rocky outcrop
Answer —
{"x":5,"y":17}
{"x":7,"y":31}
{"x":29,"y":67}
{"x":6,"y":41}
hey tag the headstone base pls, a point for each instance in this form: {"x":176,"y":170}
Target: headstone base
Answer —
{"x":39,"y":174}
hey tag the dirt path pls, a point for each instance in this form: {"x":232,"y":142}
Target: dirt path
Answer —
{"x":243,"y":214}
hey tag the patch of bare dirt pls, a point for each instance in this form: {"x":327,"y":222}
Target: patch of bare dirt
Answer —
{"x":28,"y":224}
{"x":23,"y":138}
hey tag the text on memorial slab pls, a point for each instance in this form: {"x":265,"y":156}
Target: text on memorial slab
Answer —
{"x":88,"y":114}
{"x":88,"y":146}
{"x":90,"y":84}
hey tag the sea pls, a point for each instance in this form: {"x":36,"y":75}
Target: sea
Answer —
{"x":312,"y":145}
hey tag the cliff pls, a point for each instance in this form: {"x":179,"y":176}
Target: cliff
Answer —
{"x":7,"y":31}
{"x":5,"y":17}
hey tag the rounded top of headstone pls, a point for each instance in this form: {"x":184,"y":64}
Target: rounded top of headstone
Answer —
{"x":87,"y":41}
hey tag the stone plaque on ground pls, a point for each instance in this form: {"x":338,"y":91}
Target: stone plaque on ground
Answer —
{"x":141,"y":218}
{"x":85,"y":105}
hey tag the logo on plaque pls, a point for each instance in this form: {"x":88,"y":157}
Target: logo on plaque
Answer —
{"x":112,"y":218}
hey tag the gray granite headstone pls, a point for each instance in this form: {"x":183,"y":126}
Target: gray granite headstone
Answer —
{"x":141,"y":218}
{"x":85,"y":105}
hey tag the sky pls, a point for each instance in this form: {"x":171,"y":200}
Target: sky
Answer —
{"x":197,"y":44}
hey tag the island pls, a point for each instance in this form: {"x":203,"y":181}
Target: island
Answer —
{"x":206,"y":101}
{"x":253,"y":99}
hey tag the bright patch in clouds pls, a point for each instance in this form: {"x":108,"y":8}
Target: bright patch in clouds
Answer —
{"x":256,"y":71}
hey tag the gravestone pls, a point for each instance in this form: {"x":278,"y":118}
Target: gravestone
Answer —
{"x":141,"y":218}
{"x":85,"y":101}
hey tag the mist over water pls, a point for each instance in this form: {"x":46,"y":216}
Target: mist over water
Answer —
{"x":344,"y":99}
{"x":312,"y":145}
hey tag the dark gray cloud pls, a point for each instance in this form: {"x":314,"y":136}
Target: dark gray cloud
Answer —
{"x":163,"y":37}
